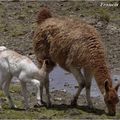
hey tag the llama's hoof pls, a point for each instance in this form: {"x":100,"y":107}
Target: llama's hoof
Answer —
{"x":38,"y":105}
{"x":74,"y":103}
{"x":90,"y":106}
{"x":49,"y":105}
{"x":42,"y":102}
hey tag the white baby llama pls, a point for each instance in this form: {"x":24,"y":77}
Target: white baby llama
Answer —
{"x":12,"y":65}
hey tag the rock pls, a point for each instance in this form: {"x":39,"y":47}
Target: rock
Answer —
{"x":50,"y":79}
{"x":115,"y":79}
{"x":77,"y":8}
{"x":53,"y":88}
{"x":58,"y":99}
{"x":67,"y":73}
{"x":21,"y":17}
{"x":66,"y":84}
{"x":63,"y":90}
{"x":112,"y":29}
{"x":76,"y":87}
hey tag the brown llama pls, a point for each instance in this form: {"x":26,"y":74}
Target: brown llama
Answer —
{"x":73,"y":44}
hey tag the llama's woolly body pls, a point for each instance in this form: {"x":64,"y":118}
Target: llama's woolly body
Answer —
{"x":74,"y":45}
{"x":69,"y":42}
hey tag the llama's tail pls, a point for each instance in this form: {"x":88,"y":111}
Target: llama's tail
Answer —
{"x":43,"y":14}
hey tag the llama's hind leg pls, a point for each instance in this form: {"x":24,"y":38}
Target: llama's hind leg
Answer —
{"x":5,"y":88}
{"x":81,"y":82}
{"x":88,"y":80}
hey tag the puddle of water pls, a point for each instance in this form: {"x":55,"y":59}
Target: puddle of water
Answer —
{"x":60,"y":80}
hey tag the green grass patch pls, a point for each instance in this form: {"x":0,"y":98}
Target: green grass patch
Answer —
{"x":17,"y":30}
{"x":15,"y":88}
{"x":56,"y":112}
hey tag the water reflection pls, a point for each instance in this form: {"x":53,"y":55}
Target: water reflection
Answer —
{"x":61,"y":80}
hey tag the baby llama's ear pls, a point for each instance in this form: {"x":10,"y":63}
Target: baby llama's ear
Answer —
{"x":117,"y":86}
{"x":107,"y":87}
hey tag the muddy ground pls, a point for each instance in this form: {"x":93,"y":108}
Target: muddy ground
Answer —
{"x":17,"y":24}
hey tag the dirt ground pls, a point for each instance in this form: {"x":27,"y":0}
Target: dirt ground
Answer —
{"x":17,"y":24}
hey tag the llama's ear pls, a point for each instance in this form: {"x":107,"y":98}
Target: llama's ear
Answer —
{"x":117,"y":86}
{"x":106,"y":83}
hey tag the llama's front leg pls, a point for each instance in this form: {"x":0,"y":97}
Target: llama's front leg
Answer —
{"x":80,"y":79}
{"x":88,"y":80}
{"x":6,"y":91}
{"x":25,"y":94}
{"x":46,"y":84}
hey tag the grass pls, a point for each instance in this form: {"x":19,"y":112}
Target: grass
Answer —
{"x":20,"y":113}
{"x":56,"y":112}
{"x":17,"y":28}
{"x":103,"y":14}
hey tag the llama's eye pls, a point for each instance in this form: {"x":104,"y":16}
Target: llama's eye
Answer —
{"x":47,"y":62}
{"x":110,"y":102}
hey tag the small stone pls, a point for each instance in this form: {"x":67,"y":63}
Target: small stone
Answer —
{"x":63,"y":90}
{"x":53,"y":87}
{"x":58,"y":99}
{"x":115,"y":79}
{"x":76,"y":86}
{"x":77,"y":8}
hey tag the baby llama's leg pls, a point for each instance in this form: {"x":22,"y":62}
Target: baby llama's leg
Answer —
{"x":6,"y":91}
{"x":25,"y":94}
{"x":23,"y":79}
{"x":81,"y":82}
{"x":88,"y":80}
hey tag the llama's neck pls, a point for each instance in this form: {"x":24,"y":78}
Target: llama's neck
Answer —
{"x":101,"y":75}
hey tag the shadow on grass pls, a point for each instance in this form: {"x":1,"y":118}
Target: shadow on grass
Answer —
{"x":65,"y":107}
{"x":16,"y":109}
{"x":60,"y":107}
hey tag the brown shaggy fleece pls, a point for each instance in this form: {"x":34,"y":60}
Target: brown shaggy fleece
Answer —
{"x":67,"y":42}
